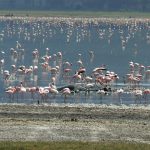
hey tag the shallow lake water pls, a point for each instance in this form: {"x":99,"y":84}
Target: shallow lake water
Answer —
{"x":114,"y":42}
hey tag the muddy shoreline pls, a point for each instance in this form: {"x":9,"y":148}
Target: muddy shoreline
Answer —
{"x":19,"y":122}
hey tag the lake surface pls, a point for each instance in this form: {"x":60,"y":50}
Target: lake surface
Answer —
{"x":114,"y":41}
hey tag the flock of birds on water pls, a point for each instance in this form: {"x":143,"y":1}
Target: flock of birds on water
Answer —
{"x":42,"y":29}
{"x":21,"y":81}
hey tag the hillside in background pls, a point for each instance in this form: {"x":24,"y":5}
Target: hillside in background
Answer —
{"x":80,"y":5}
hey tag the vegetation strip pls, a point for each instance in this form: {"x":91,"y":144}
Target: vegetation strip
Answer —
{"x":73,"y":145}
{"x":74,"y":14}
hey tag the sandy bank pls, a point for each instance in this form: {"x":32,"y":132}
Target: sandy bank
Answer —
{"x":74,"y":122}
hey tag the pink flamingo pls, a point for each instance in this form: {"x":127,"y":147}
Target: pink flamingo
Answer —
{"x":32,"y":90}
{"x":103,"y":80}
{"x":66,"y":92}
{"x":23,"y":90}
{"x":35,"y":53}
{"x":53,"y":90}
{"x":45,"y":66}
{"x":46,"y":58}
{"x":146,"y":92}
{"x":133,"y":80}
{"x":76,"y":77}
{"x":10,"y":91}
{"x":66,"y":70}
{"x":138,"y":95}
{"x":81,"y":71}
{"x":29,"y":70}
{"x":131,"y":66}
{"x":43,"y":93}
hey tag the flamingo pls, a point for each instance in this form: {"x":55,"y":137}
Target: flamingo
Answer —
{"x":47,"y":51}
{"x":91,"y":54}
{"x":11,"y":91}
{"x":6,"y":75}
{"x":66,"y":70}
{"x":54,"y":57}
{"x":99,"y":70}
{"x":32,"y":90}
{"x":147,"y":73}
{"x":88,"y":86}
{"x":131,"y":66}
{"x":80,"y":63}
{"x":14,"y":56}
{"x":101,"y":93}
{"x":133,"y":80}
{"x":104,"y":79}
{"x":136,"y":67}
{"x":53,"y":80}
{"x":88,"y":79}
{"x":22,"y":90}
{"x":66,"y":92}
{"x":2,"y":65}
{"x":146,"y":92}
{"x":76,"y":77}
{"x":35,"y":54}
{"x":138,"y":95}
{"x":67,"y":64}
{"x":81,"y":70}
{"x":18,"y":45}
{"x":142,"y":70}
{"x":79,"y":55}
{"x":45,"y":66}
{"x":119,"y":92}
{"x":13,"y":68}
{"x":54,"y":71}
{"x":43,"y":93}
{"x":59,"y":59}
{"x":29,"y":70}
{"x":53,"y":90}
{"x":59,"y":55}
{"x":46,"y":58}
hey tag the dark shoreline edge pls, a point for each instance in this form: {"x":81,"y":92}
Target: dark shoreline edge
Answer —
{"x":76,"y":112}
{"x":41,"y":13}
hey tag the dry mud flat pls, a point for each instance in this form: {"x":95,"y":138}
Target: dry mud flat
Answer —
{"x":74,"y":122}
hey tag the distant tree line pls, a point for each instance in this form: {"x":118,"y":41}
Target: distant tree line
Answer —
{"x":80,"y":5}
